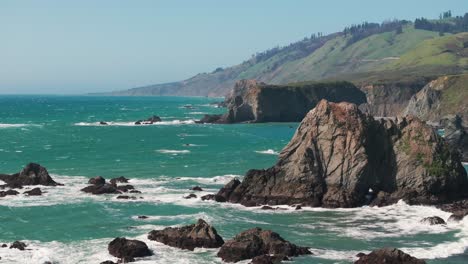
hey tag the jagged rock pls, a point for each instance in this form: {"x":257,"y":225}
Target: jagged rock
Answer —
{"x":18,"y":245}
{"x":338,"y":155}
{"x":188,"y":237}
{"x":98,"y":180}
{"x":213,"y":197}
{"x":190,"y":196}
{"x":101,"y":189}
{"x":127,"y":250}
{"x":9,"y":192}
{"x":433,"y":220}
{"x":120,"y":179}
{"x":32,"y":174}
{"x":268,"y":259}
{"x":388,"y":256}
{"x":197,"y":188}
{"x":256,"y":242}
{"x":34,"y":192}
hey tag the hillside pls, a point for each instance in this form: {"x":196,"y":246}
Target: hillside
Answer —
{"x":389,"y":51}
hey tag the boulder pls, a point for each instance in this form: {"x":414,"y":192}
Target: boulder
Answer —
{"x":213,"y":197}
{"x":32,"y":174}
{"x":34,"y":192}
{"x":433,"y":220}
{"x":190,"y":196}
{"x":455,"y":134}
{"x":388,"y":256}
{"x":455,"y":218}
{"x":101,"y":189}
{"x":127,"y":249}
{"x":197,"y":188}
{"x":103,"y":123}
{"x":199,"y":235}
{"x":9,"y":192}
{"x":340,"y":157}
{"x":257,"y":242}
{"x":126,"y":197}
{"x":108,"y":262}
{"x":142,"y":217}
{"x":125,"y":188}
{"x":153,"y":119}
{"x":212,"y":119}
{"x":120,"y":179}
{"x":18,"y":245}
{"x":98,"y":180}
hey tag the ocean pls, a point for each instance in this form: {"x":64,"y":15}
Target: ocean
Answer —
{"x":164,"y":160}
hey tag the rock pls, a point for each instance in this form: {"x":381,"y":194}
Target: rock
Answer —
{"x":108,"y":262}
{"x":134,"y":191}
{"x":32,"y":174}
{"x":9,"y":192}
{"x":266,"y":207}
{"x":127,"y":250}
{"x":340,"y":157}
{"x":138,"y":122}
{"x":268,"y":259}
{"x":256,"y":242}
{"x":459,"y":209}
{"x":153,"y":119}
{"x":125,"y":188}
{"x":388,"y":256}
{"x":455,"y":134}
{"x":101,"y":189}
{"x":199,"y":235}
{"x":98,"y":180}
{"x":142,"y":217}
{"x":455,"y":218}
{"x":34,"y":192}
{"x":18,"y":245}
{"x":298,"y":207}
{"x":213,"y":197}
{"x":103,"y":123}
{"x":197,"y":188}
{"x":433,"y":220}
{"x":212,"y":119}
{"x":190,"y":196}
{"x":120,"y":179}
{"x":126,"y":197}
{"x":4,"y":245}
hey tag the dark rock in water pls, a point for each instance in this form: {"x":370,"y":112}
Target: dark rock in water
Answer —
{"x":360,"y":254}
{"x":213,"y":197}
{"x":338,"y":155}
{"x":126,"y":197}
{"x":256,"y":242}
{"x":298,"y":207}
{"x":120,"y":179}
{"x":188,"y":237}
{"x":32,"y":174}
{"x":456,"y":218}
{"x":103,"y":123}
{"x":138,"y":122}
{"x":108,"y":262}
{"x":134,"y":191}
{"x":18,"y":245}
{"x":34,"y":192}
{"x":212,"y":119}
{"x":4,"y":245}
{"x":388,"y":256}
{"x":433,"y":220}
{"x":101,"y":189}
{"x":266,"y":207}
{"x":125,"y":188}
{"x":268,"y":259}
{"x":190,"y":196}
{"x":142,"y":217}
{"x":197,"y":188}
{"x":127,"y":250}
{"x":459,"y":209}
{"x":98,"y":180}
{"x":9,"y":192}
{"x":153,"y":119}
{"x":455,"y":134}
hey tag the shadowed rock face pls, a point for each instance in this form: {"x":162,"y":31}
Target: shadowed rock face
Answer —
{"x":32,"y":174}
{"x":388,"y":256}
{"x":189,"y":237}
{"x":256,"y":242}
{"x":338,"y":154}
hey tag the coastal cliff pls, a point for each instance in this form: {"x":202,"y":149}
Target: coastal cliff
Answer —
{"x":340,"y":157}
{"x":257,"y":102}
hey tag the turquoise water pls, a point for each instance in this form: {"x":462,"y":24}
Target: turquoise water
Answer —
{"x":163,"y":161}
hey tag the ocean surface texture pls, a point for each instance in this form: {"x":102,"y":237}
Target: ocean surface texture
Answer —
{"x":163,"y":161}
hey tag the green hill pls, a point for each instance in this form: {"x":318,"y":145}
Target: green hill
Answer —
{"x":360,"y":53}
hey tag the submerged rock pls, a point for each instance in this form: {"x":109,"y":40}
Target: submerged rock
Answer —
{"x":256,"y":242}
{"x":32,"y":174}
{"x":388,"y":256}
{"x":199,"y":235}
{"x":34,"y":192}
{"x":340,"y":157}
{"x":433,"y":220}
{"x":127,"y":250}
{"x":18,"y":245}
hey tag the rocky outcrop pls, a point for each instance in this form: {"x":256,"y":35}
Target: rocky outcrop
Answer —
{"x":199,"y":235}
{"x":32,"y":174}
{"x":433,"y":220}
{"x":257,"y":102}
{"x":101,"y":189}
{"x":443,"y":96}
{"x":459,"y":209}
{"x":127,"y":250}
{"x":388,"y":256}
{"x":257,"y":242}
{"x":18,"y":245}
{"x":455,"y":134}
{"x":149,"y":121}
{"x":9,"y":192}
{"x":338,"y":154}
{"x":98,"y":180}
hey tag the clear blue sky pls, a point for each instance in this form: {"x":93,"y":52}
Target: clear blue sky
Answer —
{"x":101,"y":45}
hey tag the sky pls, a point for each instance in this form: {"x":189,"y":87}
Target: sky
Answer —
{"x":73,"y":47}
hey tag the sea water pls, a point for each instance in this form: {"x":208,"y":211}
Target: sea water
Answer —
{"x":163,"y":161}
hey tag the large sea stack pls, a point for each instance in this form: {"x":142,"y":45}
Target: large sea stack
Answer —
{"x":32,"y":174}
{"x":340,"y":157}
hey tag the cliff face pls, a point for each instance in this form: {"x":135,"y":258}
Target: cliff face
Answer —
{"x":338,"y":154}
{"x":443,"y":96}
{"x":252,"y":101}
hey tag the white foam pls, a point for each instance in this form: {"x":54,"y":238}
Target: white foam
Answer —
{"x":268,"y":152}
{"x":116,"y":123}
{"x":16,"y":125}
{"x":172,"y":151}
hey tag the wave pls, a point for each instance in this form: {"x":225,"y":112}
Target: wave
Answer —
{"x":2,"y":125}
{"x":172,"y":151}
{"x":268,"y":152}
{"x":162,"y":123}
